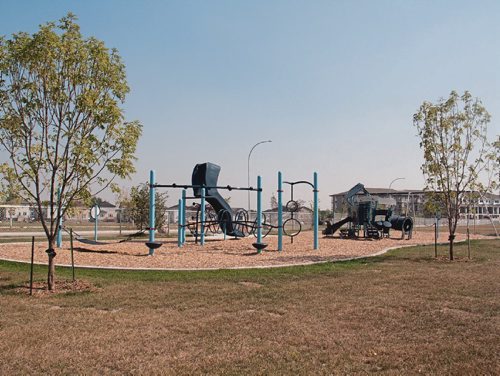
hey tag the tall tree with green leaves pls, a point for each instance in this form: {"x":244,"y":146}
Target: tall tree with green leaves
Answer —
{"x":453,"y":136}
{"x":61,"y":120}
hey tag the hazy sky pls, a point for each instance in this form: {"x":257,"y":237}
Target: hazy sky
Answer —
{"x":333,"y":84}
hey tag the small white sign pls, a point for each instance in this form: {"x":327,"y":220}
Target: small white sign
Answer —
{"x":95,"y":211}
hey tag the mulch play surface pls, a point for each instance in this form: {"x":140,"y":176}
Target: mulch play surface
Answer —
{"x":217,"y":253}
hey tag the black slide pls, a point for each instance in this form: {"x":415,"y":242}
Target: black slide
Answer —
{"x":331,"y":228}
{"x":207,"y":174}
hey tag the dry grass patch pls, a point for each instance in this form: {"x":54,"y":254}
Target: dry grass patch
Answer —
{"x":402,"y":313}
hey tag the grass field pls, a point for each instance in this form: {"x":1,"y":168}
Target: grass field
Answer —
{"x":401,"y":313}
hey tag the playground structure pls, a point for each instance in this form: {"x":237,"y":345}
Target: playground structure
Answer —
{"x":370,"y":214}
{"x":292,"y":227}
{"x":221,"y":219}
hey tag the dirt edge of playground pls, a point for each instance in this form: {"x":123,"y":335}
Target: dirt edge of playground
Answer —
{"x":216,"y":253}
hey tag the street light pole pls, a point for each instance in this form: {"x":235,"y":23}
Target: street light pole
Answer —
{"x":390,"y":195}
{"x":248,"y":168}
{"x":390,"y":185}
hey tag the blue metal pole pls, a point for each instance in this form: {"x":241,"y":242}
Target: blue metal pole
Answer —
{"x":179,"y":224}
{"x":183,"y":230}
{"x":259,"y":210}
{"x":316,"y":216}
{"x":202,"y":222}
{"x":151,"y":210}
{"x":59,"y":223}
{"x":280,"y":212}
{"x":96,"y":219}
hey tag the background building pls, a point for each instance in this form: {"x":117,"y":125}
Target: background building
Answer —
{"x":412,"y":202}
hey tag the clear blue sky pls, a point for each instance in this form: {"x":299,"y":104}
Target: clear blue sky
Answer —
{"x":334,"y":84}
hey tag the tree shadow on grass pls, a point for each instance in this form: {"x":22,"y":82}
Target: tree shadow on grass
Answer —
{"x":9,"y":288}
{"x":63,"y":287}
{"x":20,"y":288}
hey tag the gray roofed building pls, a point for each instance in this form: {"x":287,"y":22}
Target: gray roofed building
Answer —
{"x":412,"y":202}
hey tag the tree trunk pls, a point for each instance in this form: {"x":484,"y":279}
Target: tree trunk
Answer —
{"x":451,"y":229}
{"x":52,"y":267}
{"x":451,"y":239}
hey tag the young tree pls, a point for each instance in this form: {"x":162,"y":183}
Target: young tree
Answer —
{"x":60,"y":119}
{"x":9,"y":189}
{"x":495,"y":176}
{"x":325,"y":215}
{"x":274,"y":202}
{"x":453,"y":136}
{"x":124,"y":204}
{"x":138,"y":206}
{"x":492,"y":179}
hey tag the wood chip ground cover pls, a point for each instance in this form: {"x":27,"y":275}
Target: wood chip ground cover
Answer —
{"x":216,"y":253}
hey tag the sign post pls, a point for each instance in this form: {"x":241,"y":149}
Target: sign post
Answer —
{"x":94,"y":214}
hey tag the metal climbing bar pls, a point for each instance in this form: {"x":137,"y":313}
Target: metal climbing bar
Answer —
{"x":299,"y":182}
{"x":226,"y":187}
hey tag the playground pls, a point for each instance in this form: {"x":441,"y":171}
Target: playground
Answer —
{"x":217,"y":237}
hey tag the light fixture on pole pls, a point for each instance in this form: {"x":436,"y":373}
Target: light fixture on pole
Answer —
{"x":390,"y":185}
{"x":390,"y":195}
{"x":248,"y":167}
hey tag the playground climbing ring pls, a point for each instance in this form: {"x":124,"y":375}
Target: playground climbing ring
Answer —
{"x":292,"y":227}
{"x":292,"y":206}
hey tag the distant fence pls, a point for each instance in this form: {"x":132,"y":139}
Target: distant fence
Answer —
{"x":420,"y":221}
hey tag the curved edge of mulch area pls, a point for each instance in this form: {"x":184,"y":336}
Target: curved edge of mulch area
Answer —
{"x":378,"y":253}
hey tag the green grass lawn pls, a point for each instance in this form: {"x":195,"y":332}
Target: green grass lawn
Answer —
{"x":401,"y":313}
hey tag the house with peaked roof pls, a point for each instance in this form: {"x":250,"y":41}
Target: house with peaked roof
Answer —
{"x":79,"y":212}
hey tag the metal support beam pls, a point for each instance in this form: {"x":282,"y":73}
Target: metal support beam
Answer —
{"x":259,"y":211}
{"x":179,"y":224}
{"x":202,"y":214}
{"x":183,"y":221}
{"x":151,"y":210}
{"x":280,"y":212}
{"x":316,"y":212}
